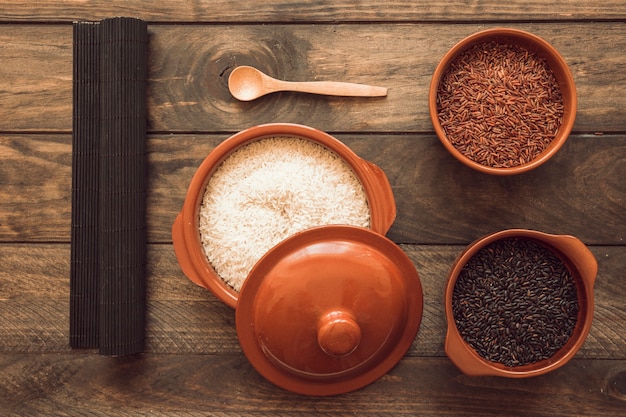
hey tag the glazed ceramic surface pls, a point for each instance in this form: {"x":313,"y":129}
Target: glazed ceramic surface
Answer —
{"x":544,"y":50}
{"x":329,"y":310}
{"x":579,"y":261}
{"x":185,"y":231}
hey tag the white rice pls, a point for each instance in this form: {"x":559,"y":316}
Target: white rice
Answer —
{"x":268,"y":190}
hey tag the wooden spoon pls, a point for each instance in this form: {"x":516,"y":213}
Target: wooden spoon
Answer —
{"x":248,"y":83}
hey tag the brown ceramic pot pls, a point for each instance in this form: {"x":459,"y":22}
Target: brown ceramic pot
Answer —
{"x":583,"y":267}
{"x":544,"y":50}
{"x":185,"y":231}
{"x":329,"y":310}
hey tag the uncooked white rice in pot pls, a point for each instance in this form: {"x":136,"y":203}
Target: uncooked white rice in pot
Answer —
{"x":269,"y":190}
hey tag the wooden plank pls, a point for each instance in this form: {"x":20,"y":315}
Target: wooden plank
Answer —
{"x":439,"y":201}
{"x":184,"y":318}
{"x":299,"y":11}
{"x":36,"y":77}
{"x":192,"y":82}
{"x":189,"y":66}
{"x":226,"y":385}
{"x":36,"y":178}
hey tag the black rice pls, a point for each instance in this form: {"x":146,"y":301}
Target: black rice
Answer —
{"x":515,"y":302}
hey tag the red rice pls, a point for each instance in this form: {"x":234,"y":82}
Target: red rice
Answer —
{"x":500,"y":105}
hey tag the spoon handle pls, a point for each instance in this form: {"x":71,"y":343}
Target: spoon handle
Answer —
{"x":333,"y":88}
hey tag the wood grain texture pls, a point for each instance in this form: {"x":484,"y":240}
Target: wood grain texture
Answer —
{"x":189,"y":66}
{"x":36,"y":78}
{"x":219,"y":11}
{"x":439,"y":201}
{"x":193,"y":365}
{"x":226,"y":385}
{"x":186,"y":319}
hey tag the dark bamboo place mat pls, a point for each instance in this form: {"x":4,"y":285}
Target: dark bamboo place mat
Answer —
{"x":108,"y":248}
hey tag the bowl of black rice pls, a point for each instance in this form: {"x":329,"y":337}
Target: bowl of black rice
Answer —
{"x":519,"y":303}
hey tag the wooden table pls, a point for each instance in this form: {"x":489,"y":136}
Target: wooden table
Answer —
{"x":193,"y":364}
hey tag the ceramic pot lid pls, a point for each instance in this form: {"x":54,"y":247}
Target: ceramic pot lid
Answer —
{"x":329,"y":310}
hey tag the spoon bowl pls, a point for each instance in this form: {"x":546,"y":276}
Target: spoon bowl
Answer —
{"x":248,"y":83}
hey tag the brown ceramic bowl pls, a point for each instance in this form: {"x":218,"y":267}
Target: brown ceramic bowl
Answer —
{"x":186,"y":233}
{"x":583,"y":267}
{"x":543,"y":50}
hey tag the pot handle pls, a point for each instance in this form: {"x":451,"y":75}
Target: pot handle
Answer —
{"x":458,"y":352}
{"x":383,"y":202}
{"x":579,"y":254}
{"x":182,"y":252}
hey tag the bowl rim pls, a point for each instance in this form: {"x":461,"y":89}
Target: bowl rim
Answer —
{"x":565,"y":80}
{"x":580,"y":259}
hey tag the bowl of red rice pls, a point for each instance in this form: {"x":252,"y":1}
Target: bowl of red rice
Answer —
{"x":263,"y":185}
{"x":502,"y":101}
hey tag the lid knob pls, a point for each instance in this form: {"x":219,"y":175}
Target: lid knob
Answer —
{"x":338,"y":333}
